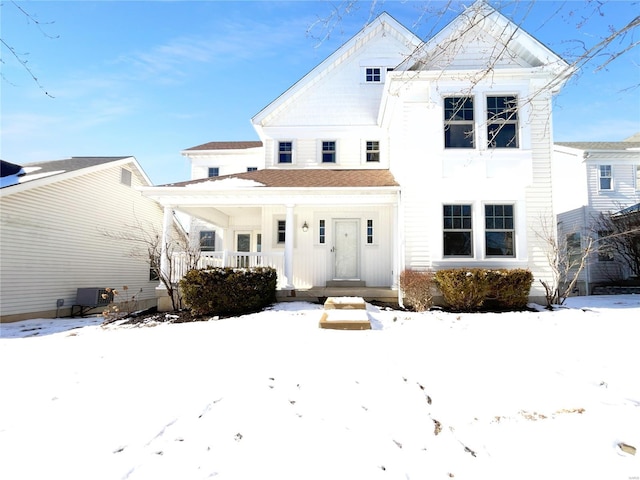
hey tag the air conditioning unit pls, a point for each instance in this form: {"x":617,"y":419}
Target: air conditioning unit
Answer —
{"x":93,"y":297}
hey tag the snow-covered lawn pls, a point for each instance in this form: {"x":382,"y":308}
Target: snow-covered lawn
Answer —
{"x":530,"y":395}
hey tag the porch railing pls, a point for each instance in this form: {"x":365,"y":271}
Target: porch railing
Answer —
{"x":180,"y":264}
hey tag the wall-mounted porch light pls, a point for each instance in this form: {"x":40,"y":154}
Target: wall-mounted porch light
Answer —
{"x":305,"y":226}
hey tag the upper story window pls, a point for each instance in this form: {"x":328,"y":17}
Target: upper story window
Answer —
{"x":605,"y":177}
{"x":502,"y":122}
{"x":499,"y":230}
{"x":207,"y":241}
{"x":458,"y":122}
{"x":213,"y":172}
{"x":329,"y":152}
{"x":373,"y":74}
{"x":252,"y":169}
{"x":457,"y":231}
{"x":373,"y":151}
{"x":285,"y":152}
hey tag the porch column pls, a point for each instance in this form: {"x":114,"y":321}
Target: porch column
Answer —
{"x":288,"y":247}
{"x":167,"y":221}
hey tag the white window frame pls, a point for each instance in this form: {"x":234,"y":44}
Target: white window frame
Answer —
{"x":369,"y":72}
{"x":335,"y":152}
{"x":462,"y":229}
{"x":367,"y":151}
{"x":498,"y":229}
{"x":602,"y":177}
{"x":293,"y":148}
{"x":453,"y":122}
{"x":495,"y":121}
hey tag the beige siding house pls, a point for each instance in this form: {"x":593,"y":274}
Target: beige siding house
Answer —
{"x":392,"y":153}
{"x":54,"y":235}
{"x":591,"y":178}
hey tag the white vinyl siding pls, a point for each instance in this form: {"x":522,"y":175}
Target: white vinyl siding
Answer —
{"x":53,"y":241}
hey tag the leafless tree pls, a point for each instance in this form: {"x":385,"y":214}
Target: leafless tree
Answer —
{"x":147,"y":245}
{"x":619,"y":234}
{"x":22,"y":57}
{"x":567,"y":255}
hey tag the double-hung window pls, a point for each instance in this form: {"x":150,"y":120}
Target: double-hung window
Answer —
{"x":457,"y":231}
{"x":373,"y":151}
{"x":213,"y":172}
{"x":574,"y":249}
{"x":373,"y":74}
{"x":285,"y":152}
{"x":606,"y":178}
{"x":502,"y":122}
{"x":499,"y":231}
{"x":329,"y":152}
{"x":458,"y":122}
{"x":281,"y":235}
{"x":207,"y":241}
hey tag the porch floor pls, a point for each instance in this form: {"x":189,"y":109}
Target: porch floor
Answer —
{"x":320,"y":294}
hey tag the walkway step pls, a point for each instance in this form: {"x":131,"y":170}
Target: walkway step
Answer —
{"x":345,"y":313}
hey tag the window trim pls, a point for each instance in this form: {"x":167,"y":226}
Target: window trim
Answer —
{"x":504,"y":217}
{"x":605,"y":177}
{"x":207,"y":248}
{"x":322,"y":231}
{"x":449,"y":122}
{"x":370,"y":232}
{"x":281,"y":232}
{"x":494,"y":118}
{"x":280,"y":152}
{"x":333,"y":152}
{"x":370,"y":75}
{"x":452,"y":229}
{"x":126,"y":177}
{"x":372,"y":151}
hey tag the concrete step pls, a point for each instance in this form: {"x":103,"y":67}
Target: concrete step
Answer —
{"x":345,"y":303}
{"x":338,"y":319}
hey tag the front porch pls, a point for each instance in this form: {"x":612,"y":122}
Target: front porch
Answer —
{"x":180,"y":266}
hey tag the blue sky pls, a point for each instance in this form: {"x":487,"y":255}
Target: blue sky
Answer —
{"x":152,"y":78}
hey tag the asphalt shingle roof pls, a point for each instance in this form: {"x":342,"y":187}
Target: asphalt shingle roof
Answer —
{"x":308,"y":178}
{"x":71,"y":164}
{"x":226,"y":145}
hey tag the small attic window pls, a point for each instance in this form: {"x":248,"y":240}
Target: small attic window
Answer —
{"x":373,"y":74}
{"x":125,"y":177}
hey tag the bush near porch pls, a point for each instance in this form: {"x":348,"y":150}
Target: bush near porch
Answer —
{"x":229,"y":291}
{"x":473,"y":289}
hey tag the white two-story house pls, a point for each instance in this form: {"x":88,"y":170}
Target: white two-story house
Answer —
{"x":593,"y":178}
{"x":392,"y":153}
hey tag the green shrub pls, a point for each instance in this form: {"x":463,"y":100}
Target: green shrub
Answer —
{"x":510,"y":288}
{"x":416,"y":289}
{"x":472,"y":289}
{"x":229,"y":291}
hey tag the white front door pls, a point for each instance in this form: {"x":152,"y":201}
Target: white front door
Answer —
{"x":346,"y":251}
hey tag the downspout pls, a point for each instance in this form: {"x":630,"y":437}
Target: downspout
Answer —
{"x":399,"y":246}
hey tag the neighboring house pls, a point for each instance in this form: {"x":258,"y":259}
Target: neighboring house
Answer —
{"x":591,"y":178}
{"x":215,"y":159}
{"x":393,"y":153}
{"x":55,"y":228}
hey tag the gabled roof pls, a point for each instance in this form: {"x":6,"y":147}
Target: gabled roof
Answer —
{"x":511,"y":43}
{"x":301,"y":178}
{"x":46,"y":172}
{"x":383,"y":23}
{"x":240,"y":145}
{"x":8,"y":168}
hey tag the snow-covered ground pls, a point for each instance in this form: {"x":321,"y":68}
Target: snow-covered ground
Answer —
{"x":529,"y":395}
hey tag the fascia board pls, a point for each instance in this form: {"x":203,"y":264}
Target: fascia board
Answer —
{"x":273,"y":196}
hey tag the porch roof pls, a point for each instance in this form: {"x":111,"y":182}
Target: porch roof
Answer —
{"x":305,"y":178}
